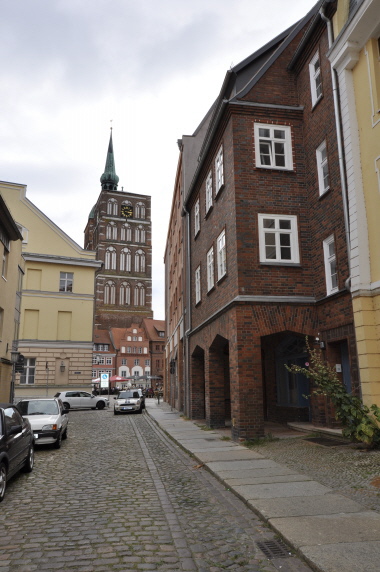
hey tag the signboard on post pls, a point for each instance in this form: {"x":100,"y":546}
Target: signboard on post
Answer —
{"x":104,"y":379}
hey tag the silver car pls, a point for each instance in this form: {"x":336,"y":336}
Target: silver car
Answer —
{"x":48,"y":419}
{"x":82,"y":400}
{"x":128,"y":401}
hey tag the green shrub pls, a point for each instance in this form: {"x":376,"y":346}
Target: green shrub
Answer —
{"x":360,"y":423}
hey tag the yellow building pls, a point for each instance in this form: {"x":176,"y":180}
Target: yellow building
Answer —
{"x":12,"y":265}
{"x":355,"y":57}
{"x":57,"y":302}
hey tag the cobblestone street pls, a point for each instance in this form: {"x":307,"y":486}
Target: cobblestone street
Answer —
{"x":119,"y":495}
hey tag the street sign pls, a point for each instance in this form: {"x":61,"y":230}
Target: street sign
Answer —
{"x":104,"y":378}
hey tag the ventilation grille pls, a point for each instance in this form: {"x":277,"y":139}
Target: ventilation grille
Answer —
{"x":274,"y":549}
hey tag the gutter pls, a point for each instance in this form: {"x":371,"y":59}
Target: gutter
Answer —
{"x":187,"y":316}
{"x":341,"y":160}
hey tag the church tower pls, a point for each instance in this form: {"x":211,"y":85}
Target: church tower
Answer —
{"x":119,"y":230}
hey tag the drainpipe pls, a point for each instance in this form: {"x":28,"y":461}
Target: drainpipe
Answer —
{"x":342,"y":168}
{"x":186,"y":213}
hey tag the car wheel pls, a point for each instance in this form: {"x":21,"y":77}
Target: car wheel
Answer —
{"x":100,"y":405}
{"x":115,"y":412}
{"x":29,"y":463}
{"x":140,"y":410}
{"x":3,"y":480}
{"x":58,"y":442}
{"x":64,"y":434}
{"x":66,"y":405}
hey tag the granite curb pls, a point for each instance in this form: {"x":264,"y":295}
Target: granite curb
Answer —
{"x":332,"y":532}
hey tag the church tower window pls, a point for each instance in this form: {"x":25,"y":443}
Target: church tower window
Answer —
{"x":110,"y":259}
{"x":110,"y":292}
{"x":125,"y":260}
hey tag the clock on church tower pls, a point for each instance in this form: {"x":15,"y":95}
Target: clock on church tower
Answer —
{"x":126,"y":211}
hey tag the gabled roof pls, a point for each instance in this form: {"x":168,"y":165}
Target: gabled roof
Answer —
{"x":8,"y":223}
{"x":119,"y":335}
{"x":152,"y":327}
{"x":240,"y":79}
{"x":102,"y":337}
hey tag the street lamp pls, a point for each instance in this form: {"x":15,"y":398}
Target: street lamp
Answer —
{"x":14,"y":359}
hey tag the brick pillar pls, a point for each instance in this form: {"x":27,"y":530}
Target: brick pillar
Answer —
{"x":247,"y":396}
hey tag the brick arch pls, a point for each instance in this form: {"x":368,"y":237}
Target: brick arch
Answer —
{"x":197,"y":387}
{"x":218,"y":398}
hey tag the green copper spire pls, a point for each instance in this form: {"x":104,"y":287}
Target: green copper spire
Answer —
{"x":109,"y":179}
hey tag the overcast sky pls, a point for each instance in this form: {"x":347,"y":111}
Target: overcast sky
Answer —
{"x":153,"y":67}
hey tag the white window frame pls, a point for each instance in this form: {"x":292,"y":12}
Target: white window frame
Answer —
{"x":330,"y":265}
{"x":278,"y":232}
{"x":210,"y":269}
{"x":208,"y":192}
{"x":221,"y":254}
{"x":219,"y":171}
{"x":315,"y":79}
{"x":28,"y":375}
{"x":323,"y":168}
{"x":66,"y":281}
{"x":272,"y":141}
{"x":197,"y":218}
{"x":198,"y":285}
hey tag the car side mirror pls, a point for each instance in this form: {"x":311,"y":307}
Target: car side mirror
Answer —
{"x":15,"y":429}
{"x":64,"y":411}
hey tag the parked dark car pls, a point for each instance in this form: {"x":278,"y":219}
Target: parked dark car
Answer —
{"x":16,"y":444}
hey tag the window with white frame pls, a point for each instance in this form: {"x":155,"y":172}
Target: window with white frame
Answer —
{"x":323,"y":168}
{"x":315,"y":79}
{"x":278,"y":237}
{"x":330,"y":265}
{"x":108,"y":361}
{"x":197,"y":218}
{"x":219,"y":171}
{"x":27,"y":376}
{"x":210,"y":269}
{"x":198,"y":285}
{"x":273,"y":146}
{"x":66,"y":280}
{"x":221,"y":254}
{"x":209,"y":192}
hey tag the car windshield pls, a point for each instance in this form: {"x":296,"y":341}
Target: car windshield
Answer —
{"x":38,"y":407}
{"x":128,"y":394}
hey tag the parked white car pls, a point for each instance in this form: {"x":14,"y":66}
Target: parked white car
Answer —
{"x":48,"y":419}
{"x":82,"y":400}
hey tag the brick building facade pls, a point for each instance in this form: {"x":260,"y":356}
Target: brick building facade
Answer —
{"x":119,"y":230}
{"x":267,"y":249}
